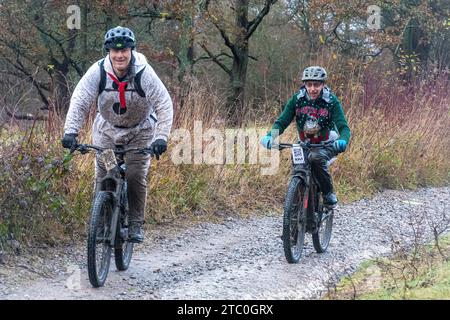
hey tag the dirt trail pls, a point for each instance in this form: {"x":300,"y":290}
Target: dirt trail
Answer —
{"x":237,"y":259}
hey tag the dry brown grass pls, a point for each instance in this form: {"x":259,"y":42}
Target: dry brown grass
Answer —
{"x":400,"y":143}
{"x":399,"y":140}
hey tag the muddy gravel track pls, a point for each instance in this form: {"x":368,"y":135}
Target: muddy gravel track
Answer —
{"x":235,"y":259}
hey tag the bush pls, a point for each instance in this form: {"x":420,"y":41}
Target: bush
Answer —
{"x":45,"y":196}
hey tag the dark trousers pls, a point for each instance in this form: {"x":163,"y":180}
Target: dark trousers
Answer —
{"x":318,"y":158}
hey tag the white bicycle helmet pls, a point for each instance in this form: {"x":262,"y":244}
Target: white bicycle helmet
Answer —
{"x":316,"y":73}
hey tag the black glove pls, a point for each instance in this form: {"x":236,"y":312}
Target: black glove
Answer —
{"x":69,"y":141}
{"x":158,"y":147}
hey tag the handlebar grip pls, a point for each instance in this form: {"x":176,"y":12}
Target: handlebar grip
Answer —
{"x":81,"y":148}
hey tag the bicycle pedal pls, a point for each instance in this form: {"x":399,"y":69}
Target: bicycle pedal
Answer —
{"x":124,"y":233}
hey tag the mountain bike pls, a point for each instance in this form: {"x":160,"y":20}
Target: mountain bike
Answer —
{"x":108,"y":226}
{"x":304,"y":211}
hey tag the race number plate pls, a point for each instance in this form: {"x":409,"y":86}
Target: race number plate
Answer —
{"x":109,"y":159}
{"x":297,"y":155}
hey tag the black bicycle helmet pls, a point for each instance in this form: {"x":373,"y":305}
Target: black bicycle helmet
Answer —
{"x":119,"y":38}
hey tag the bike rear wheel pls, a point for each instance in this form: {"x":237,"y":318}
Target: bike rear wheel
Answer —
{"x":294,"y":222}
{"x":99,"y":248}
{"x":321,"y":238}
{"x":123,"y":250}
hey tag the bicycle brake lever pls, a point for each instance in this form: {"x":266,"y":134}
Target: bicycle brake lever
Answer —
{"x":82,"y":149}
{"x":275,"y":146}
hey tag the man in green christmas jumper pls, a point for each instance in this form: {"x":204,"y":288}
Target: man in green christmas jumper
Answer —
{"x":315,"y":103}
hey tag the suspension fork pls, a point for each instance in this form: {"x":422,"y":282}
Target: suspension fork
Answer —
{"x":115,"y":186}
{"x":306,"y":196}
{"x":114,"y":221}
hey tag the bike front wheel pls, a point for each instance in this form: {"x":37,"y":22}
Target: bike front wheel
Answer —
{"x":123,"y":249}
{"x":99,"y":238}
{"x":294,"y":222}
{"x":321,"y":238}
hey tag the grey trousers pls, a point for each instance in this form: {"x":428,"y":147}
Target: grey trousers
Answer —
{"x":137,"y":165}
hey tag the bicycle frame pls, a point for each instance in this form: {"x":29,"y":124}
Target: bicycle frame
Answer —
{"x":311,"y":194}
{"x":113,"y":183}
{"x":307,"y":214}
{"x":114,"y":180}
{"x":111,"y":194}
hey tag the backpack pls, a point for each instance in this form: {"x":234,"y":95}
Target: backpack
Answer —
{"x":137,"y":80}
{"x":137,"y":84}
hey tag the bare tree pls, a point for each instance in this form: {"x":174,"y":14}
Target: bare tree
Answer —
{"x":236,"y":39}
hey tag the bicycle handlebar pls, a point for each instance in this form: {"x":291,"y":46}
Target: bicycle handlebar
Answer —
{"x":307,"y":145}
{"x":84,"y":148}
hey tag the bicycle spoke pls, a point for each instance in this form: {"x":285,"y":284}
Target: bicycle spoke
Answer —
{"x":123,"y":250}
{"x":293,"y":225}
{"x":99,"y":250}
{"x":322,"y":238}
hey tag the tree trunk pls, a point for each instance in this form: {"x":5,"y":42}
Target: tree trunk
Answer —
{"x":84,"y":22}
{"x":238,"y":43}
{"x":236,"y":96}
{"x":186,"y":52}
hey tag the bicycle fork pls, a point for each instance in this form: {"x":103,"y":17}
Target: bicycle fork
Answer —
{"x":309,"y":206}
{"x":114,"y":221}
{"x":111,"y":185}
{"x":305,"y":203}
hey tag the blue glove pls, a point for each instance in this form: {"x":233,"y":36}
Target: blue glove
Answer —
{"x":340,"y":145}
{"x":267,"y":141}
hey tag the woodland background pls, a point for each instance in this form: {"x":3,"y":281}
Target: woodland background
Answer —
{"x":228,"y":63}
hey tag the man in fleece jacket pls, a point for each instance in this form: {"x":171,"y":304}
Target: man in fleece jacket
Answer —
{"x":134,"y":110}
